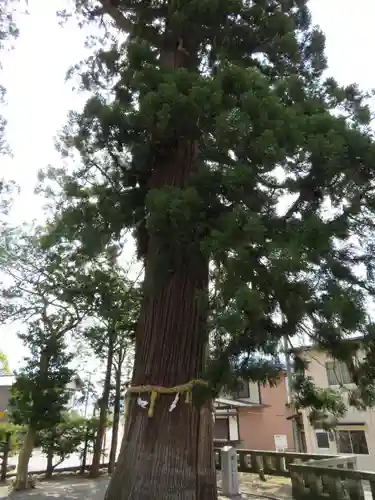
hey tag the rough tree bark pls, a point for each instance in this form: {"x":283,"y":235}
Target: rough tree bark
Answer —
{"x":95,"y":466}
{"x":116,"y":416}
{"x":169,"y":456}
{"x":21,"y":482}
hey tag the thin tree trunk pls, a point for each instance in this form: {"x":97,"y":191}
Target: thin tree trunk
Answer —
{"x":84,"y":453}
{"x":95,"y":466}
{"x":49,"y":470}
{"x":169,"y":456}
{"x":116,"y":418}
{"x":23,"y":460}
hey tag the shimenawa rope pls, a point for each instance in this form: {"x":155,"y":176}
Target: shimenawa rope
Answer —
{"x":155,"y":390}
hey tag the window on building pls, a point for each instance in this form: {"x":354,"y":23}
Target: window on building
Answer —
{"x":243,"y":390}
{"x":338,"y":373}
{"x":302,"y":442}
{"x":221,"y":429}
{"x":255,"y":393}
{"x":322,"y":439}
{"x":352,"y":442}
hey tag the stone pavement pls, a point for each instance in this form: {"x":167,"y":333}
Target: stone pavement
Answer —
{"x":71,"y":488}
{"x":274,"y":487}
{"x":81,"y":488}
{"x":78,"y":488}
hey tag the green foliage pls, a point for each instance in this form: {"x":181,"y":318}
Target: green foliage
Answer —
{"x":114,"y":300}
{"x":8,"y":28}
{"x":8,"y":31}
{"x":325,"y":406}
{"x":39,"y":394}
{"x":92,"y":429}
{"x":36,"y":295}
{"x":280,"y":194}
{"x":16,"y":432}
{"x":67,"y":437}
{"x":4,"y":364}
{"x":116,"y":304}
{"x":39,"y":281}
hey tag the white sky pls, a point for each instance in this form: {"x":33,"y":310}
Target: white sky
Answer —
{"x":39,"y":99}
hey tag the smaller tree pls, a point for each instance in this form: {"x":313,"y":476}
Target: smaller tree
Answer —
{"x":114,"y":301}
{"x":64,"y":439}
{"x":122,"y":361}
{"x":40,"y":280}
{"x":39,"y":395}
{"x":93,"y":425}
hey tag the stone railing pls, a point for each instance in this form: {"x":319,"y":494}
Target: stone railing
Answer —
{"x":313,"y":476}
{"x":335,"y":478}
{"x":272,"y":463}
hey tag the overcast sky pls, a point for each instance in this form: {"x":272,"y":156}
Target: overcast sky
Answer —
{"x":39,"y":99}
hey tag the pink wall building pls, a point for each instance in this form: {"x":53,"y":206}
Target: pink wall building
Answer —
{"x":255,"y":418}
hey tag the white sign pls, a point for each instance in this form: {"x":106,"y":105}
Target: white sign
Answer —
{"x":229,"y":472}
{"x":281,"y":442}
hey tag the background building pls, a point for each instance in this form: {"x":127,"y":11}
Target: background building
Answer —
{"x":355,"y":433}
{"x":256,"y":417}
{"x":6,"y":382}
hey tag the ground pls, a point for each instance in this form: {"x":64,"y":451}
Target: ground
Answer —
{"x":78,"y":488}
{"x":274,"y":487}
{"x":81,"y":488}
{"x":65,"y":489}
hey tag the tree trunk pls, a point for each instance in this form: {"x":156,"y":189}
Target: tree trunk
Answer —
{"x":170,"y":456}
{"x":23,"y":460}
{"x":116,"y":419}
{"x":84,"y":452}
{"x":49,"y":470}
{"x":94,"y":470}
{"x":7,"y":447}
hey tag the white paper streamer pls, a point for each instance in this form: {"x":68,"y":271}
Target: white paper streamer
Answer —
{"x":174,"y":402}
{"x":142,"y":402}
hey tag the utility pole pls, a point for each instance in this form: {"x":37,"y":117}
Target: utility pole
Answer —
{"x":87,"y":394}
{"x":289,"y":376}
{"x":84,"y":453}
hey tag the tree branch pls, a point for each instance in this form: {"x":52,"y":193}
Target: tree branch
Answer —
{"x":121,"y":22}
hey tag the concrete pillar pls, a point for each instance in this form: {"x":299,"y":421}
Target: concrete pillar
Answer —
{"x":229,"y":472}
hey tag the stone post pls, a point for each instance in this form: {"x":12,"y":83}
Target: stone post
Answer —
{"x":229,"y":472}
